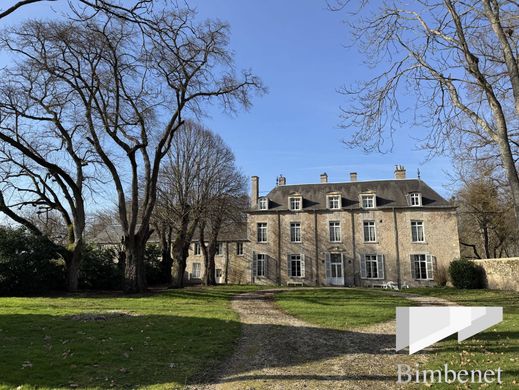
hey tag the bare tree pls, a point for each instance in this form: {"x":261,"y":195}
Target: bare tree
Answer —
{"x":132,"y":87}
{"x":458,"y":58}
{"x":16,"y":5}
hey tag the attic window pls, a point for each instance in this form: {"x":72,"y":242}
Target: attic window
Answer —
{"x":368,"y":201}
{"x":295,"y":203}
{"x":263,"y":204}
{"x":333,"y":202}
{"x":415,"y":199}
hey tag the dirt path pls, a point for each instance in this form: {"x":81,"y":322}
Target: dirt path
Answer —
{"x":278,"y":351}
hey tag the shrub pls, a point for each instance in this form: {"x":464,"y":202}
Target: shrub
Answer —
{"x":99,"y":271}
{"x":152,"y":259}
{"x":29,"y":264}
{"x":441,"y":276}
{"x":466,"y":274}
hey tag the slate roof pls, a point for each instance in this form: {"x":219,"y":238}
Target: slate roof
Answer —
{"x":389,"y":194}
{"x":236,"y":231}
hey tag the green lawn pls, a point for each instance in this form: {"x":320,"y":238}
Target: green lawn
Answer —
{"x":496,"y":347}
{"x":342,"y":309}
{"x":154,"y":341}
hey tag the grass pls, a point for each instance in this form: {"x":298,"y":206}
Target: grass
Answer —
{"x":493,"y":348}
{"x":162,"y":341}
{"x":342,"y":309}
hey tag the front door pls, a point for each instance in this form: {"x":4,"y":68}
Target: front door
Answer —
{"x":336,"y":276}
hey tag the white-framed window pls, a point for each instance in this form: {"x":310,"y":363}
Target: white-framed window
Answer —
{"x":415,"y":199}
{"x":262,"y":232}
{"x":334,"y":202}
{"x":197,"y":249}
{"x":295,"y":203}
{"x":295,"y":231}
{"x":219,"y":249}
{"x":335,"y":231}
{"x":239,"y":248}
{"x":368,"y":201}
{"x":422,"y":266}
{"x":372,"y":267}
{"x":417,"y":231}
{"x":196,"y":270}
{"x":218,"y":272}
{"x":263,"y":204}
{"x":261,"y":260}
{"x":370,"y":234}
{"x":296,"y":266}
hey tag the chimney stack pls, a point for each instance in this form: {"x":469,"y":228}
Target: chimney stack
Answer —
{"x":281,"y":180}
{"x":353,"y":176}
{"x":254,"y":191}
{"x":399,"y":172}
{"x":324,"y":178}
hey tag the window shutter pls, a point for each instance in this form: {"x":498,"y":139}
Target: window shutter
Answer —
{"x":429,"y":263}
{"x":380,"y":266}
{"x":413,"y":269}
{"x":328,"y":265}
{"x":254,"y":264}
{"x":362,"y":266}
{"x":303,"y":266}
{"x":289,"y":265}
{"x":265,"y":266}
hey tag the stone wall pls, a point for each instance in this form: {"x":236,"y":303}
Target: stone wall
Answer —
{"x":502,"y":274}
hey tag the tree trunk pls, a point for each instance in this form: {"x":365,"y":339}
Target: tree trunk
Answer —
{"x":134,"y":272}
{"x":511,"y":174}
{"x":180,"y":260}
{"x":167,"y":260}
{"x":73,"y":264}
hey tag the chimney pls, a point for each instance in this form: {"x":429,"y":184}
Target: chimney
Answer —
{"x":281,"y":180}
{"x":353,"y":176}
{"x":399,"y":172}
{"x":324,"y":178}
{"x":254,"y":183}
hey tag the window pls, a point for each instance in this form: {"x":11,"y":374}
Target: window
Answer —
{"x":219,"y":249}
{"x":369,"y":231}
{"x":262,"y":232}
{"x":417,"y":231}
{"x":335,"y":231}
{"x":367,"y":201}
{"x":372,"y":267}
{"x":415,"y":199}
{"x":197,"y":249}
{"x":239,"y":248}
{"x":296,"y":266}
{"x":334,"y":202}
{"x":295,"y":232}
{"x":263,"y":204}
{"x":260,"y":264}
{"x":195,"y":272}
{"x":295,"y":203}
{"x":422,"y":267}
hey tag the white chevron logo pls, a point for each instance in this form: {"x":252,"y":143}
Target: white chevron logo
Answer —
{"x":420,"y":327}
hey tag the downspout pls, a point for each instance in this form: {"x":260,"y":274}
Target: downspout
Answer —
{"x":353,"y":248}
{"x":279,"y":250}
{"x":395,"y":227}
{"x":317,"y":276}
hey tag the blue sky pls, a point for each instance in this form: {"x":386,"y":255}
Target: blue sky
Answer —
{"x":298,"y":49}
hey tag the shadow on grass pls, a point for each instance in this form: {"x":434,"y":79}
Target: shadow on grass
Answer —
{"x":120,"y":352}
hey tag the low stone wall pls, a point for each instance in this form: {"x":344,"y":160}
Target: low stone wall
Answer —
{"x":502,"y":274}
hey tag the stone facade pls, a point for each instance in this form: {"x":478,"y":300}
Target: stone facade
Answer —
{"x":390,"y":254}
{"x":501,"y":274}
{"x":387,"y":252}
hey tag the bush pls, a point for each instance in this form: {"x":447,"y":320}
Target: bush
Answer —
{"x":99,"y":271}
{"x":441,"y":276}
{"x":152,"y":259}
{"x":29,"y":264}
{"x":466,"y":274}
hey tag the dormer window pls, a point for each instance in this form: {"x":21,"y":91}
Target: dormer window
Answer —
{"x":368,"y":201}
{"x":263,"y":204}
{"x":334,"y":202}
{"x":415,"y":199}
{"x":295,"y":203}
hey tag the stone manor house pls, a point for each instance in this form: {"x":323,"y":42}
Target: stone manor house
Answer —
{"x":356,"y":233}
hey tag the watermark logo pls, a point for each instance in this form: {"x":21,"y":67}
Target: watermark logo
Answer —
{"x":420,"y":327}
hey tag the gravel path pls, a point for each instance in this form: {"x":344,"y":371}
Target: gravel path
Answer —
{"x":278,"y":351}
